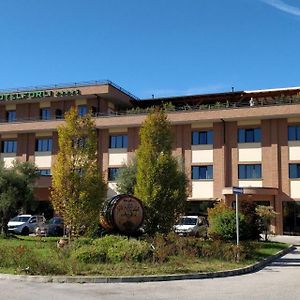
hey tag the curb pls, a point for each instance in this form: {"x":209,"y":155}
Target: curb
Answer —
{"x":135,"y":279}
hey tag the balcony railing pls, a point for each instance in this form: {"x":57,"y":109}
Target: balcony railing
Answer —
{"x":170,"y":108}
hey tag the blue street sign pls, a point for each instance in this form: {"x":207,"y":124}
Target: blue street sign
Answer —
{"x":237,"y":190}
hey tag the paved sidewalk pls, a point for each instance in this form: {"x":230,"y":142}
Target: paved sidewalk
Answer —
{"x":289,"y":239}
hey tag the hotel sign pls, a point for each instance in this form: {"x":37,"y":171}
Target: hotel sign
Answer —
{"x":39,"y":94}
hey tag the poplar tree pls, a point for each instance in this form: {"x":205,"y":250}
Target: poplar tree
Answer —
{"x":78,"y":189}
{"x":160,"y":183}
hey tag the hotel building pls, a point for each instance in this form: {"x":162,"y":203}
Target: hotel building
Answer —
{"x":249,"y":139}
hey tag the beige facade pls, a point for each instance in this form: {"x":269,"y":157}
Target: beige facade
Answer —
{"x":212,"y":167}
{"x":202,"y":190}
{"x":249,"y":152}
{"x":202,"y":154}
{"x":8,"y":159}
{"x":117,"y":157}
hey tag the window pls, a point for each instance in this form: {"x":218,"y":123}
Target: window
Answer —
{"x":11,"y":116}
{"x":79,"y":142}
{"x":262,"y":203}
{"x":9,"y":146}
{"x":202,"y":137}
{"x":202,"y":172}
{"x":112,"y":173}
{"x":252,"y":135}
{"x":118,"y":141}
{"x":94,"y":111}
{"x":294,"y":170}
{"x":32,"y":220}
{"x":45,"y":113}
{"x":249,"y":171}
{"x":44,"y":172}
{"x":294,"y":133}
{"x":81,"y":110}
{"x":58,"y":114}
{"x":43,"y":145}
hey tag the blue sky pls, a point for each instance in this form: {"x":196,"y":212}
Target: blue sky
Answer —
{"x":160,"y":47}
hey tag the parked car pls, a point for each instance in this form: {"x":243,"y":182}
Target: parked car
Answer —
{"x":53,"y":227}
{"x":191,"y":226}
{"x":25,"y":224}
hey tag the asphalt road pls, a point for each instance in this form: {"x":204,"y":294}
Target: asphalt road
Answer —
{"x":279,"y":280}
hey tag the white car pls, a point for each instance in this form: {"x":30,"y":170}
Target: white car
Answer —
{"x":25,"y":224}
{"x":191,"y":226}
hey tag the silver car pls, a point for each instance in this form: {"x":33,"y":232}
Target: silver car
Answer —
{"x":25,"y":224}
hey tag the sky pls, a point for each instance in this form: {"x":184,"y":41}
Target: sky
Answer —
{"x":160,"y":47}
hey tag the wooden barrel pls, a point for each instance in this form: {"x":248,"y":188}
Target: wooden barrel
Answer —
{"x":122,"y":213}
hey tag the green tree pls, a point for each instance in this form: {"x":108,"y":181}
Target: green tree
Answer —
{"x":253,"y":228}
{"x":78,"y":189}
{"x":16,"y":190}
{"x":126,"y":178}
{"x":266,"y":214}
{"x":160,"y":183}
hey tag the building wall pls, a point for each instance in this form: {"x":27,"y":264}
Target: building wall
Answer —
{"x":274,"y":152}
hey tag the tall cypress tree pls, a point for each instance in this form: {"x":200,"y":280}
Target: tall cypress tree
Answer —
{"x":160,"y":183}
{"x":78,"y":189}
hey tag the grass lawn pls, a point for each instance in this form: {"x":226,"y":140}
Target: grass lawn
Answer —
{"x":33,"y":255}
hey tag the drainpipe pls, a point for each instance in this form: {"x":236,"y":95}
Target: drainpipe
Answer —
{"x":225,"y":151}
{"x":224,"y":131}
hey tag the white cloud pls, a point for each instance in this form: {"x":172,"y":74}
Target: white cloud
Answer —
{"x":281,"y":5}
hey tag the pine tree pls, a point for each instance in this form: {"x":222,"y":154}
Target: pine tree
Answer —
{"x":160,"y":183}
{"x":78,"y":189}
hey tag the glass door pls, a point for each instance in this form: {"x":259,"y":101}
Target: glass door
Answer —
{"x":291,"y":218}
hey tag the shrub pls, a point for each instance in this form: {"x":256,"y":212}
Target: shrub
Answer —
{"x":222,"y":223}
{"x":89,"y":254}
{"x":165,"y":246}
{"x":190,"y":247}
{"x":112,"y":249}
{"x":108,"y":241}
{"x":162,"y":250}
{"x":266,"y":215}
{"x":129,"y":250}
{"x":93,"y":251}
{"x":226,"y":251}
{"x":77,"y":243}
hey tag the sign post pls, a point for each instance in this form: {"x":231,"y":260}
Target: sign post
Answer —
{"x":237,"y":191}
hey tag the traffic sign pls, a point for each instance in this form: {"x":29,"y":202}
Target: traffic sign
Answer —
{"x":237,"y":190}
